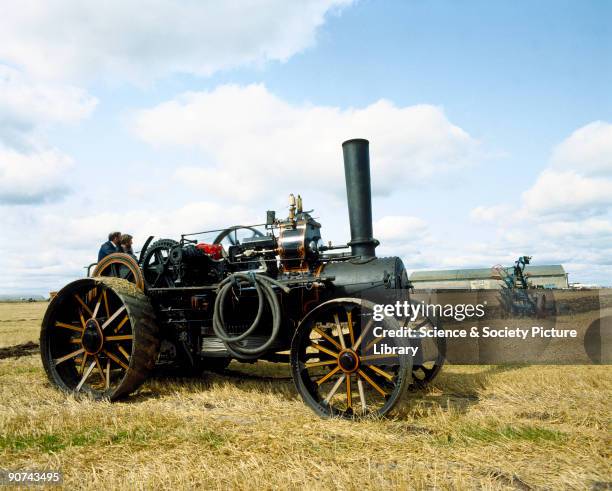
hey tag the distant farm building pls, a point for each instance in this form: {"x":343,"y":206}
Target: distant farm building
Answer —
{"x":553,"y":276}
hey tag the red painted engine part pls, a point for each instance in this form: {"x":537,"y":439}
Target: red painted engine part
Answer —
{"x":215,"y":251}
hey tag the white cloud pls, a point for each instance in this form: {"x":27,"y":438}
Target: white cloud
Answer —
{"x":129,"y":39}
{"x":250,"y":140}
{"x":589,"y":229}
{"x":399,"y":228}
{"x":408,"y":237}
{"x":568,"y":192}
{"x":32,"y":177}
{"x":31,"y":171}
{"x":576,"y":183}
{"x":587,"y":150}
{"x":490,"y":213}
{"x":26,"y":102}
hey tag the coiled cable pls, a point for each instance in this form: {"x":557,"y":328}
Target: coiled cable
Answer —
{"x":265,"y":293}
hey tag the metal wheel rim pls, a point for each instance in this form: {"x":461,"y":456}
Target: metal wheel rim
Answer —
{"x":120,"y":265}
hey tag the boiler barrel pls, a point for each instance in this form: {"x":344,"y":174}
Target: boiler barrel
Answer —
{"x":379,"y":280}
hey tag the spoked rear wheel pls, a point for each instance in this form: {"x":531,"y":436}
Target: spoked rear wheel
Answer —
{"x":336,"y":366}
{"x":99,"y":337}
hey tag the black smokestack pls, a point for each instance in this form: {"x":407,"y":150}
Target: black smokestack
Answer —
{"x":357,"y":174}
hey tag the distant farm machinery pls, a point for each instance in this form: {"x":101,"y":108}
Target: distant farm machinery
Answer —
{"x":518,"y":297}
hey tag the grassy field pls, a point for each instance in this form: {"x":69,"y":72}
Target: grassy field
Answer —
{"x":477,"y":427}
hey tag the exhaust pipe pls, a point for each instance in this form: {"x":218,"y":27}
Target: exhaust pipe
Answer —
{"x":359,"y":196}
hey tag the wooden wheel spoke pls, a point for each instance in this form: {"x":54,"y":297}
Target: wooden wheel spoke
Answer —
{"x":106,"y":309}
{"x":99,"y":367}
{"x":349,"y":316}
{"x":113,"y":317}
{"x":372,"y":343}
{"x":107,"y":373}
{"x":86,"y":375}
{"x":84,"y":305}
{"x":97,"y":307}
{"x":121,"y":337}
{"x":121,"y":324}
{"x":83,"y":361}
{"x":372,"y":383}
{"x":340,"y":333}
{"x":82,"y":318}
{"x":328,"y":337}
{"x":362,"y":398}
{"x":349,"y":396}
{"x":315,"y":364}
{"x":334,"y":389}
{"x":364,"y":333}
{"x":381,"y":372}
{"x":328,"y":375}
{"x":68,"y":326}
{"x":123,"y":352}
{"x":74,"y":354}
{"x":115,"y":359}
{"x":324,"y":349}
{"x":377,"y":357}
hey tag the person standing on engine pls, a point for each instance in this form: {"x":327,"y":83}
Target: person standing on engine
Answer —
{"x":126,"y":245}
{"x":112,"y":245}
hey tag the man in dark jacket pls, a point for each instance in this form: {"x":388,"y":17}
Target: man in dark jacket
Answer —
{"x":111,"y":246}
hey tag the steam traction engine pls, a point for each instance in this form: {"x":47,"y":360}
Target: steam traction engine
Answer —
{"x":278,"y":295}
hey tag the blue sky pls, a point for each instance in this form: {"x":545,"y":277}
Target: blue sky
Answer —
{"x":482,"y":117}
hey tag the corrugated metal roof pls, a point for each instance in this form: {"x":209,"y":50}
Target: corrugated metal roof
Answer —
{"x":482,"y":273}
{"x":549,"y":270}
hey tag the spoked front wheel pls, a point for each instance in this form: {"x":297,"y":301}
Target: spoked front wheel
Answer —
{"x":338,"y":366}
{"x":99,"y":337}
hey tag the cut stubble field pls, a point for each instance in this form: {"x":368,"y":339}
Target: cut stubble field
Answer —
{"x":489,"y":427}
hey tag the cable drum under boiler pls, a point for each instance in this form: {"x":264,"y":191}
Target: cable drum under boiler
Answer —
{"x":265,"y":294}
